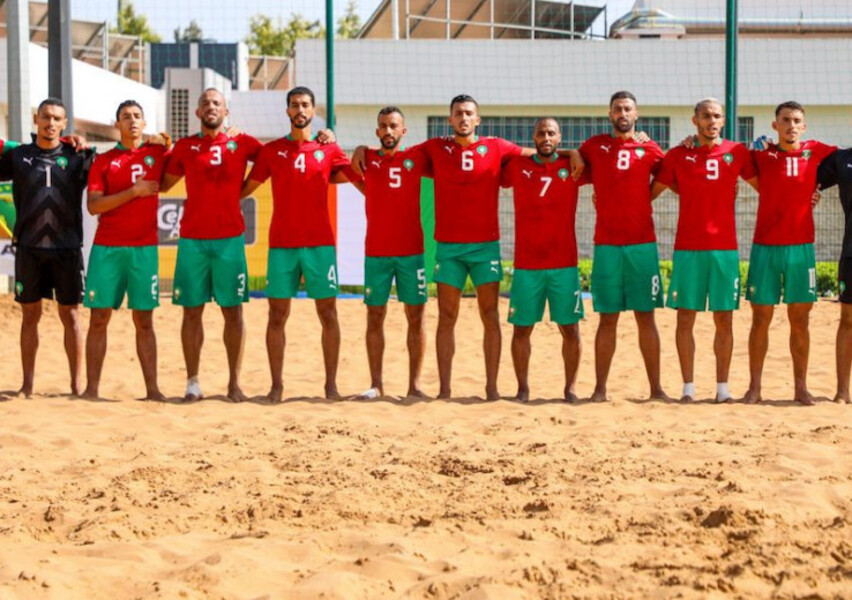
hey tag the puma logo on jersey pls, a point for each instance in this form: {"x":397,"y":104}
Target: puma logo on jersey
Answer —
{"x":448,"y":149}
{"x":773,"y":154}
{"x":197,"y":148}
{"x":605,"y":148}
{"x":527,"y":173}
{"x":692,"y":158}
{"x":375,"y":163}
{"x":283,"y":153}
{"x":29,"y":161}
{"x":115,"y":163}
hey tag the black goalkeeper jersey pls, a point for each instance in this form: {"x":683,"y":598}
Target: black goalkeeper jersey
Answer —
{"x":47,"y":187}
{"x":836,"y":169}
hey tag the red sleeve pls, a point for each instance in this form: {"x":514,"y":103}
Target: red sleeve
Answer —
{"x":175,"y":164}
{"x":97,"y":181}
{"x":260,"y":170}
{"x":506,"y":174}
{"x":657,"y":155}
{"x":419,"y":153}
{"x":666,"y":175}
{"x":508,"y":150}
{"x":749,"y":170}
{"x":823,"y":150}
{"x":585,"y":151}
{"x":251,"y":145}
{"x":339,"y":160}
{"x":585,"y":179}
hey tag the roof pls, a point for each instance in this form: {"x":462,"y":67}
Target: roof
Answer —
{"x":471,"y":19}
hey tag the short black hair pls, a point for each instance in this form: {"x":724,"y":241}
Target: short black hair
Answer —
{"x":622,"y":95}
{"x":791,"y":104}
{"x":301,"y":91}
{"x":462,"y":98}
{"x":541,"y":120}
{"x":389,"y":110}
{"x":126,"y":104}
{"x":51,"y":102}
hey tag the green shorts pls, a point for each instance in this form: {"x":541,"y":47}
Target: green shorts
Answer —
{"x":773,"y":268}
{"x":114,"y":270}
{"x":380,"y":272}
{"x":453,"y":263}
{"x":208,"y":269}
{"x":286,"y":266}
{"x":532,"y":287}
{"x":699,"y":276}
{"x":626,"y":278}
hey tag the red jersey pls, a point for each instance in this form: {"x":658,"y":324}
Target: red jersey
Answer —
{"x":300,"y":174}
{"x":787,"y":181}
{"x":545,"y":210}
{"x":706,"y":182}
{"x":214,"y":170}
{"x":134,"y":223}
{"x":393,"y":202}
{"x":621,"y":171}
{"x":467,"y":187}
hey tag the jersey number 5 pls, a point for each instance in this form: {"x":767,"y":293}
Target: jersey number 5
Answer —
{"x":395,"y":177}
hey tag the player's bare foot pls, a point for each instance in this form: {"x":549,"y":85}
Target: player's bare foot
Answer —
{"x":752,"y":397}
{"x":25,"y":392}
{"x":523,"y":394}
{"x":416,"y":392}
{"x":331,"y":392}
{"x":570,"y":396}
{"x":687,"y":398}
{"x":154,"y":395}
{"x":804,"y":398}
{"x":90,"y":394}
{"x":275,"y":395}
{"x":235,"y":394}
{"x":444,"y":395}
{"x":842,"y":398}
{"x":491,"y":394}
{"x":660,"y":394}
{"x":599,"y":395}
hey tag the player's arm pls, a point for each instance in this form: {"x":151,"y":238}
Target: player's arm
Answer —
{"x":168,"y":181}
{"x":577,"y":162}
{"x":348,"y":175}
{"x":752,"y":181}
{"x":326,"y":136}
{"x":359,"y":158}
{"x":98,"y":203}
{"x":658,"y":188}
{"x":827,"y":172}
{"x":249,"y":186}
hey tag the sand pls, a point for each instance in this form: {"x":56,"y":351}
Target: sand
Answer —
{"x":453,"y":499}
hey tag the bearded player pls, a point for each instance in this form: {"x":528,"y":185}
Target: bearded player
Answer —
{"x":211,"y":258}
{"x":705,"y":271}
{"x":782,"y":257}
{"x":626,"y":266}
{"x":123,"y":186}
{"x":301,"y":239}
{"x":545,"y":197}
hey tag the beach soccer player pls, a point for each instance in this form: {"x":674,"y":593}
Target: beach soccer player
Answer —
{"x":211,"y":257}
{"x":782,"y":257}
{"x":123,"y":186}
{"x":626,"y":266}
{"x":394,"y":246}
{"x":48,"y":180}
{"x":301,"y":239}
{"x":705,"y":270}
{"x":545,"y":197}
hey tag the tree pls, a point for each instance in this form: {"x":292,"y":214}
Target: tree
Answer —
{"x":192,"y":33}
{"x":130,"y":23}
{"x":349,"y":24}
{"x":277,"y":39}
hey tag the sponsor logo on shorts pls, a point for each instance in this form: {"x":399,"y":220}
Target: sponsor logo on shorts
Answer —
{"x":511,"y":311}
{"x":674,"y":295}
{"x":231,"y":145}
{"x":482,"y":150}
{"x":149,"y":160}
{"x":319,"y":155}
{"x":728,"y":157}
{"x":640,"y":152}
{"x":408,"y":164}
{"x":495,"y":266}
{"x":91,"y":295}
{"x":19,"y":288}
{"x":752,"y":289}
{"x":842,"y":286}
{"x":368,"y":291}
{"x":437,"y":266}
{"x":62,"y":162}
{"x":177,"y":293}
{"x":563,"y":174}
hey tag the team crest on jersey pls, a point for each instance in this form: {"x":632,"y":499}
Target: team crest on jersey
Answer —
{"x":842,"y":286}
{"x":640,"y":152}
{"x":319,"y":155}
{"x":149,"y":160}
{"x":728,"y":158}
{"x":62,"y":162}
{"x":563,"y":174}
{"x":19,"y":288}
{"x":231,"y":145}
{"x":482,"y":150}
{"x":408,"y":164}
{"x":806,"y":154}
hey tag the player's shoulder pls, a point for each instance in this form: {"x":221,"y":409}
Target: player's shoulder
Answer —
{"x":187,"y":142}
{"x":598,"y":139}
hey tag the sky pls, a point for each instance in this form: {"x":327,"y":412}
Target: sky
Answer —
{"x":228,"y":20}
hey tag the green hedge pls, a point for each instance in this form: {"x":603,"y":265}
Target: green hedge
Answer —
{"x":826,"y":279}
